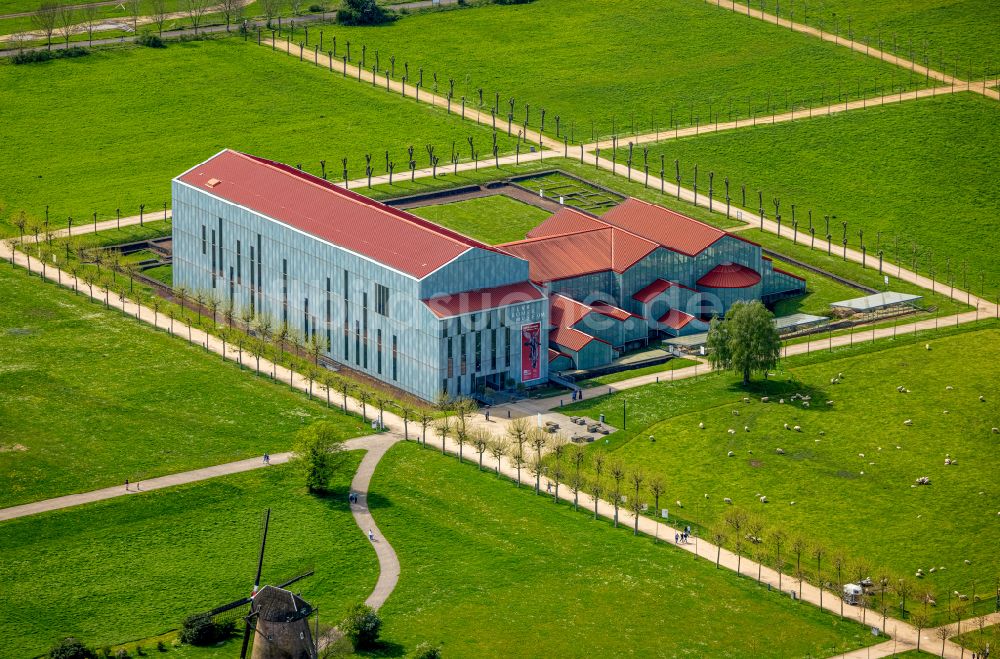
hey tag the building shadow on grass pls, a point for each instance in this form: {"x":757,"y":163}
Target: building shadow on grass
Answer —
{"x":383,"y":648}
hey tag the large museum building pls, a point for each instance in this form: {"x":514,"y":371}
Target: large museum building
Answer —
{"x":431,"y":311}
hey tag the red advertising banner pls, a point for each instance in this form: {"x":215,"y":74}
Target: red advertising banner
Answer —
{"x":531,"y":352}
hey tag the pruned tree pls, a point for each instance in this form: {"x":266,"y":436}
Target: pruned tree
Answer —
{"x":818,"y":552}
{"x":499,"y":446}
{"x":196,"y":10}
{"x":538,"y":442}
{"x":747,"y":342}
{"x":736,"y":519}
{"x":481,"y":441}
{"x":443,"y":429}
{"x":426,"y":419}
{"x":718,"y":537}
{"x":158,"y":14}
{"x":45,"y":19}
{"x":66,"y":23}
{"x":518,"y":459}
{"x":755,"y":534}
{"x":595,"y":488}
{"x":134,"y":8}
{"x":536,"y":468}
{"x":656,"y":488}
{"x":636,"y":479}
{"x":799,"y":545}
{"x":921,"y":621}
{"x":269,"y":9}
{"x":617,"y":472}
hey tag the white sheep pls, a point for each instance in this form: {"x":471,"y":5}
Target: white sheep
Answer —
{"x":805,"y":404}
{"x":781,"y":401}
{"x":730,"y":454}
{"x":732,"y":431}
{"x":678,"y":503}
{"x":701,"y":425}
{"x":996,"y":431}
{"x":927,"y":346}
{"x":797,"y":428}
{"x":908,"y":422}
{"x":861,"y":455}
{"x":747,"y":428}
{"x":982,"y":399}
{"x":787,"y":427}
{"x":706,"y":495}
{"x":736,"y":412}
{"x":746,"y":400}
{"x":791,"y":503}
{"x":764,"y":399}
{"x":763,"y":499}
{"x":728,"y":500}
{"x":829,"y":402}
{"x":949,"y":388}
{"x":780,"y":451}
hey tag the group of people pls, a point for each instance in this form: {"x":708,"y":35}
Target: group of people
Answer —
{"x":683,"y":535}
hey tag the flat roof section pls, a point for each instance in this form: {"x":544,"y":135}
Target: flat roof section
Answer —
{"x":876,"y":301}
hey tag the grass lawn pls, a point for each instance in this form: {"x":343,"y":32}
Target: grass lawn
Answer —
{"x":493,"y":220}
{"x":488,"y":570}
{"x":134,"y":567}
{"x":954,"y":29}
{"x":165,"y":102}
{"x":922,"y":171}
{"x":611,"y":378}
{"x":95,"y":398}
{"x":820,"y":292}
{"x":850,"y":470}
{"x":974,"y":638}
{"x":161,"y":273}
{"x":683,"y":59}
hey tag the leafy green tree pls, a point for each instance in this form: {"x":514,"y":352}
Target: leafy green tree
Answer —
{"x":317,"y":453}
{"x":362,"y":626}
{"x":71,"y":648}
{"x":746,"y":342}
{"x":363,"y":12}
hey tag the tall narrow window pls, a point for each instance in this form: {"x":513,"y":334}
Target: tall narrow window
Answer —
{"x":493,"y":350}
{"x":479,"y":351}
{"x":239,"y":265}
{"x":378,"y":342}
{"x":357,"y":343}
{"x":329,"y":347}
{"x":222,"y":267}
{"x":213,"y":259}
{"x":364,"y":316}
{"x":260,"y":280}
{"x":451,"y":356}
{"x":284,"y":291}
{"x":232,"y":288}
{"x":395,"y":356}
{"x":506,"y":341}
{"x":381,"y":300}
{"x":347,"y":341}
{"x":253,"y":281}
{"x":305,"y":318}
{"x":347,"y":291}
{"x":462,"y":346}
{"x":204,"y":241}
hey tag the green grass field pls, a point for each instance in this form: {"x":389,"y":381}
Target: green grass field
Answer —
{"x":489,"y":570}
{"x":611,"y":378}
{"x":134,"y":567}
{"x":95,"y":398}
{"x":155,"y":116}
{"x":687,"y":56}
{"x":953,"y":29}
{"x":850,"y":470}
{"x":975,"y":638}
{"x":922,"y":171}
{"x":494,"y":219}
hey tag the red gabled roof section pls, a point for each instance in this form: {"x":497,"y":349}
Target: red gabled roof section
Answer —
{"x":555,"y":354}
{"x":730,"y":275}
{"x":675,"y":319}
{"x":565,"y":311}
{"x":662,"y":226}
{"x":611,"y":311}
{"x":582,"y":253}
{"x":788,"y":274}
{"x":566,"y":220}
{"x":573,"y":339}
{"x":648,"y":293}
{"x":349,"y":220}
{"x":456,"y":304}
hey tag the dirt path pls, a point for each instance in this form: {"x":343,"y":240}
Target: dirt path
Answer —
{"x":919,"y":69}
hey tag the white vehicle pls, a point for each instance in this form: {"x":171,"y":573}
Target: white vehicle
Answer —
{"x":853,"y":593}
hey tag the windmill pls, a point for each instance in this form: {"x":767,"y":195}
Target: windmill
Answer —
{"x":277,"y":617}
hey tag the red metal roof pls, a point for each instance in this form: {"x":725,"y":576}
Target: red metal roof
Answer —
{"x":364,"y":226}
{"x":571,"y":338}
{"x":565,"y":311}
{"x":675,"y":319}
{"x":729,"y":275}
{"x":566,"y":220}
{"x":575,"y":254}
{"x":611,"y":311}
{"x":456,"y":304}
{"x":663,"y":226}
{"x":658,"y":286}
{"x":555,"y":354}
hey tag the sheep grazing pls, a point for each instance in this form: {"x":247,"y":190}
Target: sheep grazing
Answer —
{"x":968,"y":562}
{"x":908,"y":422}
{"x":781,"y":401}
{"x":787,"y":427}
{"x":797,"y":428}
{"x":791,"y":503}
{"x":764,"y":399}
{"x":730,"y":454}
{"x":829,"y":402}
{"x":923,"y":480}
{"x":996,"y":431}
{"x":736,"y":412}
{"x":701,"y":425}
{"x":927,"y":346}
{"x":861,"y":455}
{"x":732,"y":431}
{"x":947,"y":461}
{"x":822,"y":433}
{"x":840,"y":376}
{"x":982,"y":399}
{"x":746,"y":428}
{"x":706,"y":495}
{"x":949,"y":388}
{"x":780,"y":451}
{"x":746,"y":400}
{"x":833,"y":380}
{"x":944,"y":412}
{"x":933,"y":570}
{"x":763,"y":499}
{"x":678,"y":504}
{"x":728,"y":500}
{"x":805,"y":403}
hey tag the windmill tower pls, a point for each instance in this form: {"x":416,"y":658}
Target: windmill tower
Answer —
{"x":278,"y":619}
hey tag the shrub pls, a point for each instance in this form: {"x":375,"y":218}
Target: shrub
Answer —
{"x":161,"y":646}
{"x":33,"y":56}
{"x":362,"y":626}
{"x":71,"y":648}
{"x":363,"y":12}
{"x":426,"y":651}
{"x":317,"y":9}
{"x":151,"y":41}
{"x":200,"y":629}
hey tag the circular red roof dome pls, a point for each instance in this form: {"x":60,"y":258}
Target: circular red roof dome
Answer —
{"x":730,"y":275}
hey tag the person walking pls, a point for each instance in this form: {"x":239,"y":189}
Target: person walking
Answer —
{"x":267,"y":459}
{"x":371,"y":535}
{"x":126,"y":485}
